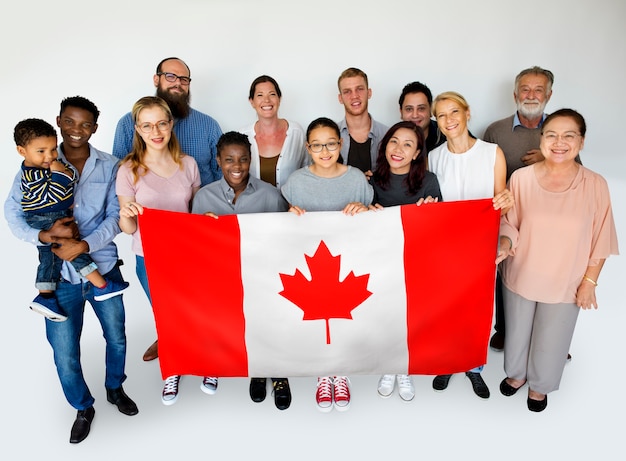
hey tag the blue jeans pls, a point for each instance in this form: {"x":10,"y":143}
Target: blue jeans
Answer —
{"x":49,"y":269}
{"x":140,"y":269}
{"x":64,"y":337}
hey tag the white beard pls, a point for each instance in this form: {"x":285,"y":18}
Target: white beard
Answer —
{"x":531,"y":111}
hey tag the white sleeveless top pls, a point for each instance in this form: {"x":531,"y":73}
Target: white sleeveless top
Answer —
{"x":466,"y":176}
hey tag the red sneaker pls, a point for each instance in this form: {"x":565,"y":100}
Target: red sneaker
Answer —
{"x":324,"y":394}
{"x":342,"y":392}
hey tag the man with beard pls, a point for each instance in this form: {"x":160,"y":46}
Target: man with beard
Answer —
{"x":518,"y":136}
{"x":196,"y":132}
{"x":360,"y":133}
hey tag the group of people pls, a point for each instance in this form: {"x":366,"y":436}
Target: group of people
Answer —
{"x":173,"y":157}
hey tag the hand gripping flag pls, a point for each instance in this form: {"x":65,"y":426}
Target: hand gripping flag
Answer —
{"x":406,"y":289}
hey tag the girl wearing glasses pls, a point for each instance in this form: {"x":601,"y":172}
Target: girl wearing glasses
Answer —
{"x":327,"y":185}
{"x":156,"y":174}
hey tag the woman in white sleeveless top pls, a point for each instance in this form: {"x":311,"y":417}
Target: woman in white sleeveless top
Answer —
{"x":467,"y":168}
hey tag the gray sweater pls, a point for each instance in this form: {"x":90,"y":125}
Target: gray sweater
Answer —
{"x":514,"y":142}
{"x":314,"y":193}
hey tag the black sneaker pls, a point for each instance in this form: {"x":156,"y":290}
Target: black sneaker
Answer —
{"x":282,"y":393}
{"x":479,"y":386}
{"x":257,"y":389}
{"x":440,"y":383}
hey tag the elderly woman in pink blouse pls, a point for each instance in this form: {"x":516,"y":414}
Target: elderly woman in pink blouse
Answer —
{"x":553,"y":245}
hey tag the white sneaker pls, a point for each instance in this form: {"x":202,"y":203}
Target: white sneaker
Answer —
{"x":209,"y":385}
{"x":386,"y":384}
{"x":170,"y":390}
{"x":341,"y":393}
{"x":406,"y":388}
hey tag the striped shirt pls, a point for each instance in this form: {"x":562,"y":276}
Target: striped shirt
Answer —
{"x":46,"y":190}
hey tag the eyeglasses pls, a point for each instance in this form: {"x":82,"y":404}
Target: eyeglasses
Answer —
{"x":565,"y":137}
{"x":147,"y":127}
{"x":330,"y":147}
{"x":170,"y":77}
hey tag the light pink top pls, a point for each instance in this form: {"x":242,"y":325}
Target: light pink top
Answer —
{"x":556,"y":235}
{"x":153,"y":191}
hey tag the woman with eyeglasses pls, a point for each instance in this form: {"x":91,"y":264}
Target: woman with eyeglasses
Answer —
{"x":278,"y":144}
{"x":156,"y":174}
{"x":553,"y":245}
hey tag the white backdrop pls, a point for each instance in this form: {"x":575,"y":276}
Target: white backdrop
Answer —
{"x":108,"y":52}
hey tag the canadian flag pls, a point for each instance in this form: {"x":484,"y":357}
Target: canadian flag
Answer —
{"x":406,"y":289}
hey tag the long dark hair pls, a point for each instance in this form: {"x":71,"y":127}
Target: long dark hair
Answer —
{"x":417,"y":170}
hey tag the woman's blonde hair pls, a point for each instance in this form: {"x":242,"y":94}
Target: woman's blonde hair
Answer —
{"x":136,"y":157}
{"x":452,"y":96}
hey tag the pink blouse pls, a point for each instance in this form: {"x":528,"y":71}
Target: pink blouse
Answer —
{"x":153,"y":191}
{"x":556,"y":235}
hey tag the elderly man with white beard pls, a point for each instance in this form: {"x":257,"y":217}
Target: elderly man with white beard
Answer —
{"x":518,"y":136}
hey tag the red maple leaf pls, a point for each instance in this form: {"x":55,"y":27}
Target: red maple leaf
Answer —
{"x":324,"y":296}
